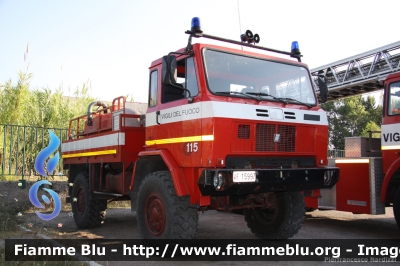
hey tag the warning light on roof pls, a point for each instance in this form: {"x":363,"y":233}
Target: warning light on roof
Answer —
{"x":196,"y":25}
{"x":295,"y":48}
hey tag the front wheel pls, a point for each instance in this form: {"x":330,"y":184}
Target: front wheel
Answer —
{"x":282,"y":220}
{"x":160,"y":213}
{"x":87,"y":213}
{"x":396,"y":206}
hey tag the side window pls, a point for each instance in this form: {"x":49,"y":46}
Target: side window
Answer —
{"x":153,"y":89}
{"x":191,"y":80}
{"x":394,"y":99}
{"x":186,"y":79}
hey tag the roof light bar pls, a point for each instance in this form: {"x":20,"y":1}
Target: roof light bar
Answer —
{"x":247,"y":40}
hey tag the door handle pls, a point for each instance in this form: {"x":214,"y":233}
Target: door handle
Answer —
{"x":157,"y":114}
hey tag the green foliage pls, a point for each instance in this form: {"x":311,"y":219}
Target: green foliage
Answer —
{"x":20,"y":105}
{"x":351,"y":117}
{"x":371,"y":126}
{"x":34,"y":110}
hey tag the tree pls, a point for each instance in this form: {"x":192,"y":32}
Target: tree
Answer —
{"x":351,"y":117}
{"x":374,"y":110}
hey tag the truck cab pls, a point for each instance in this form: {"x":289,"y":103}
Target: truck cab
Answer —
{"x":390,"y":143}
{"x":240,"y":127}
{"x":225,"y":129}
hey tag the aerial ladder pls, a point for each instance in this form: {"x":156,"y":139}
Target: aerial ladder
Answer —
{"x":359,"y":74}
{"x":370,"y":171}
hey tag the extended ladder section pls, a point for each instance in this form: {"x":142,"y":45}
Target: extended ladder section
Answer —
{"x":360,"y":73}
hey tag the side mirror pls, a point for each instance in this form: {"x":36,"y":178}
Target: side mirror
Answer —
{"x":323,"y":88}
{"x":169,"y":74}
{"x":169,"y":70}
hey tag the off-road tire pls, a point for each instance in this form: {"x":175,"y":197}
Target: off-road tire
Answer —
{"x":87,"y":213}
{"x":160,"y":213}
{"x":282,"y":221}
{"x":396,"y":206}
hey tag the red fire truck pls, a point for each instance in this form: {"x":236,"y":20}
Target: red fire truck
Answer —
{"x":370,"y":171}
{"x":224,"y":129}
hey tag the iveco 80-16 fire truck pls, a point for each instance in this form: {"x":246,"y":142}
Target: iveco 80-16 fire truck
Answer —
{"x":224,"y":129}
{"x":370,"y":171}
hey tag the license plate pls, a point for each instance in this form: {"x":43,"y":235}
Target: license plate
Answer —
{"x":244,"y":176}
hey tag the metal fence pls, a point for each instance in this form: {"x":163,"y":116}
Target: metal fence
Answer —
{"x":19,"y":146}
{"x":336,"y":154}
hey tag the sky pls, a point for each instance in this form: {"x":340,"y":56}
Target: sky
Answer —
{"x":110,"y":45}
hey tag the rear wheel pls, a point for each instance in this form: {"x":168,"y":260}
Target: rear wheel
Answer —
{"x":396,"y":206}
{"x":161,"y":213}
{"x":282,"y":220}
{"x":87,"y":213}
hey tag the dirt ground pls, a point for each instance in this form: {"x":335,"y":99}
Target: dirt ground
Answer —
{"x":121,"y":223}
{"x":11,"y":192}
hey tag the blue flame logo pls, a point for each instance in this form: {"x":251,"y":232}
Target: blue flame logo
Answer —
{"x":45,"y":153}
{"x":35,"y":201}
{"x":50,"y":166}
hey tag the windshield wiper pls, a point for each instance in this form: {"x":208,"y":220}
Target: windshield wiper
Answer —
{"x":236,"y":92}
{"x":269,"y":95}
{"x":284,"y":100}
{"x":297,"y":101}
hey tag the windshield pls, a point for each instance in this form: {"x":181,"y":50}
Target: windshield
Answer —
{"x":237,"y":74}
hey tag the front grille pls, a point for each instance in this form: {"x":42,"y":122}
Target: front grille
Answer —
{"x":243,"y":132}
{"x":263,"y":137}
{"x":287,"y":138}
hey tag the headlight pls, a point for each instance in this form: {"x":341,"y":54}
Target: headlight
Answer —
{"x":328,"y":177}
{"x":218,"y":181}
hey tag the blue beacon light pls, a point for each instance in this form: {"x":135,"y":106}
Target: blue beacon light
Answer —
{"x":196,"y":25}
{"x":295,"y":48}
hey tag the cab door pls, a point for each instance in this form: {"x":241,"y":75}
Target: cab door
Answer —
{"x":390,"y":139}
{"x":175,"y":113}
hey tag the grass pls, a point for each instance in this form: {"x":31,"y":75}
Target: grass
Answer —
{"x":32,"y":178}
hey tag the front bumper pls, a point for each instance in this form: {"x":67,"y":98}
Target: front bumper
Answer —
{"x":268,"y":180}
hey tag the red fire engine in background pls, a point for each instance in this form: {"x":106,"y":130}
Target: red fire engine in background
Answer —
{"x":370,"y":171}
{"x":224,"y":129}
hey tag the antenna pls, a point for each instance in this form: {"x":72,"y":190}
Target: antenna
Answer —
{"x":240,"y":25}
